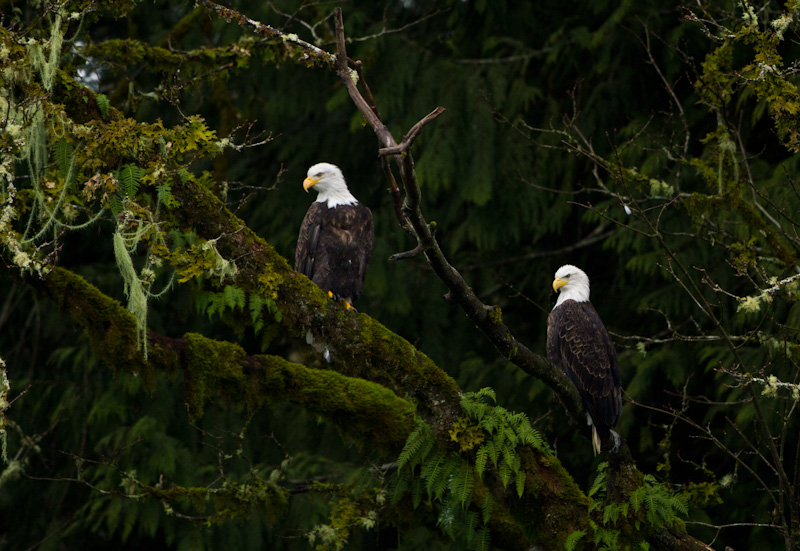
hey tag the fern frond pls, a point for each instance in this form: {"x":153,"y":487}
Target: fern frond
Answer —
{"x":487,"y":392}
{"x":462,"y":483}
{"x":399,"y":485}
{"x":439,"y":475}
{"x":469,"y":526}
{"x":128,"y":177}
{"x":416,"y":492}
{"x":164,"y":195}
{"x":505,"y":473}
{"x":636,"y":498}
{"x":486,"y":508}
{"x":418,"y":445}
{"x":480,"y":459}
{"x":234,"y":297}
{"x":484,"y":539}
{"x":103,"y":104}
{"x":62,"y":153}
{"x":521,"y":477}
{"x":572,"y":540}
{"x":493,"y":450}
{"x":599,"y":483}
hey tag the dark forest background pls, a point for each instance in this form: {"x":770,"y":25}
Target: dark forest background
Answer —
{"x":652,"y":144}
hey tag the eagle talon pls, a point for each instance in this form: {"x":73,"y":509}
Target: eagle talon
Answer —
{"x":617,"y":440}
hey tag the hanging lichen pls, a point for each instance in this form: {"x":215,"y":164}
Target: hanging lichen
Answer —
{"x":4,"y":388}
{"x":134,"y":289}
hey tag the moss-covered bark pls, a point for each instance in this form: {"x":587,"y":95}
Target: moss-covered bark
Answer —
{"x":370,"y":413}
{"x":361,"y":403}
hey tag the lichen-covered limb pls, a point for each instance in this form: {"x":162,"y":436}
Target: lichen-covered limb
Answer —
{"x":308,"y":50}
{"x":370,"y":413}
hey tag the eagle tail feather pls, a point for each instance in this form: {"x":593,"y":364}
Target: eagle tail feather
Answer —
{"x":595,"y":440}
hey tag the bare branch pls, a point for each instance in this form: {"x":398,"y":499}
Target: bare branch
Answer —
{"x":412,"y":134}
{"x":487,"y":318}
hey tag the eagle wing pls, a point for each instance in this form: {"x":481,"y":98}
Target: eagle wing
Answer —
{"x":577,"y":341}
{"x":308,"y":240}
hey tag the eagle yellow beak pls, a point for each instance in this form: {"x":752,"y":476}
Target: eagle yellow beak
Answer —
{"x":558,"y":283}
{"x":309,"y":182}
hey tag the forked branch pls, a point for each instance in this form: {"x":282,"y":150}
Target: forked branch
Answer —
{"x":487,"y":318}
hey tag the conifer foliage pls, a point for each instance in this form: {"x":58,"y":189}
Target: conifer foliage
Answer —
{"x":167,"y":381}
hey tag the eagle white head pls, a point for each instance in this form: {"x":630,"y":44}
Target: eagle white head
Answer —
{"x":571,"y":283}
{"x":328,"y":181}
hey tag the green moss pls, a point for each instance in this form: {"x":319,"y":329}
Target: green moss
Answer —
{"x":496,"y":315}
{"x":366,"y":411}
{"x":211,"y":367}
{"x":110,"y":327}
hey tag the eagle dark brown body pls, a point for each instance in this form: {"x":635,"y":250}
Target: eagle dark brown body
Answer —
{"x":334,"y":247}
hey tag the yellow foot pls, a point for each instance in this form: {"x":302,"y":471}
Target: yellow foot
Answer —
{"x":347,"y":305}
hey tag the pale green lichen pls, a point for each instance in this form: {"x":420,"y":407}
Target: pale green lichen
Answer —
{"x":134,"y":288}
{"x":5,"y":386}
{"x":749,"y":305}
{"x":772,"y":385}
{"x":222,"y":268}
{"x":781,"y":24}
{"x":749,"y":16}
{"x":46,"y":63}
{"x":659,"y":188}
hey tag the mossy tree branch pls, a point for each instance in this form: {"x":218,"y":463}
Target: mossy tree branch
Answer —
{"x":370,"y":413}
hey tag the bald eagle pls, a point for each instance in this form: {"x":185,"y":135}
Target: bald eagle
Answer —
{"x":578,"y":343}
{"x":336,"y":236}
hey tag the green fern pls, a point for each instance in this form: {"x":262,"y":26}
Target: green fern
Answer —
{"x":506,"y":432}
{"x":164,"y":196}
{"x":128,"y":177}
{"x":418,"y":445}
{"x":652,"y":502}
{"x":256,"y":307}
{"x":103,"y":104}
{"x":573,"y":539}
{"x":462,"y":484}
{"x":62,"y":153}
{"x":234,"y":297}
{"x":273,"y":309}
{"x":447,"y":478}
